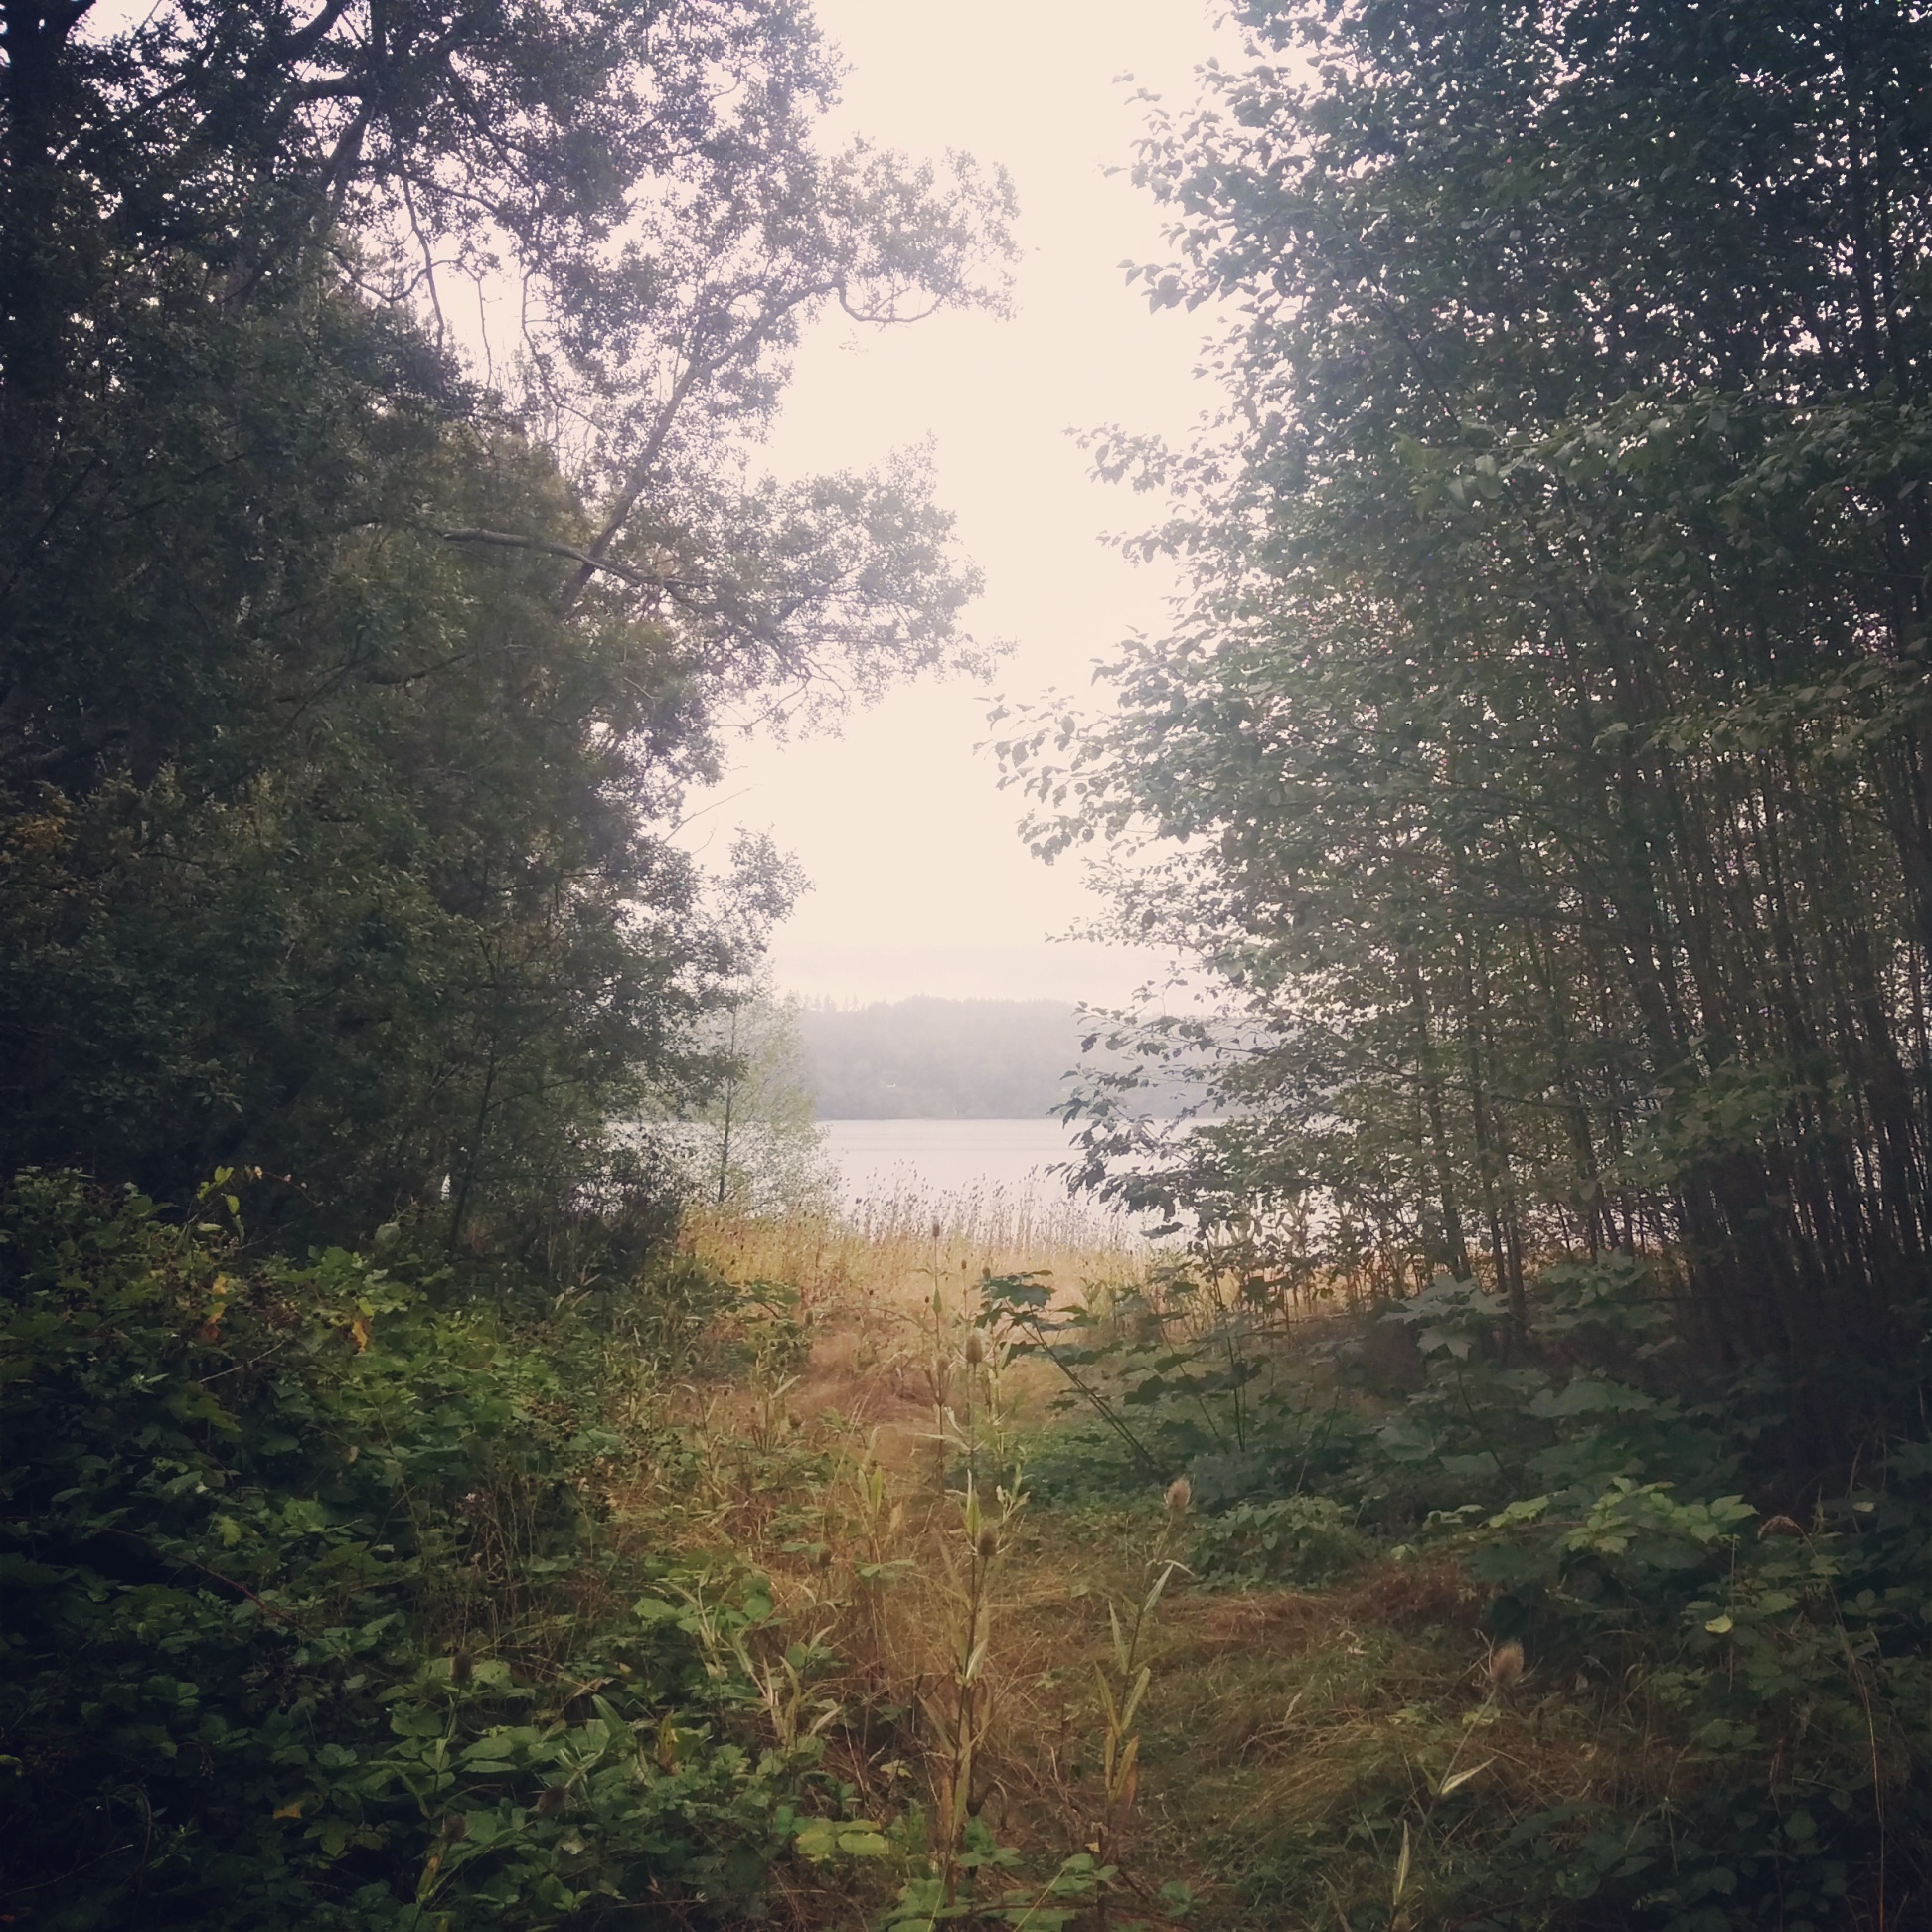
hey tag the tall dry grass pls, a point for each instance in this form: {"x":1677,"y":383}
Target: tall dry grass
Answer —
{"x":890,"y":1239}
{"x":888,"y":1290}
{"x":875,"y":1493}
{"x":967,"y":1674}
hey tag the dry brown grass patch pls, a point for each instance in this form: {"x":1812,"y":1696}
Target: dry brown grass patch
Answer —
{"x":1276,"y":1711}
{"x":1203,"y":1625}
{"x":1412,"y":1596}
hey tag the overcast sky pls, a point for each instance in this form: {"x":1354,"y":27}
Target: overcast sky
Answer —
{"x":920,"y":882}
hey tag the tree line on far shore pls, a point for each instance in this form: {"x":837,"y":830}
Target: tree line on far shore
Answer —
{"x":939,"y":1059}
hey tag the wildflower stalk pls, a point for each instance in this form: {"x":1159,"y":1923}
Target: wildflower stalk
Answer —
{"x":1120,"y":1703}
{"x":962,"y":1719}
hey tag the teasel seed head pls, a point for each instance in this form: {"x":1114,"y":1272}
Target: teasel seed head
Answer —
{"x":975,"y":1348}
{"x":1179,"y":1493}
{"x":1504,"y":1664}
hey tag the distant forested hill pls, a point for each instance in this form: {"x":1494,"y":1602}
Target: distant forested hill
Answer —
{"x":939,"y":1059}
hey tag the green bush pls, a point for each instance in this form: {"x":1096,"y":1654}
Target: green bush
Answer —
{"x":1290,"y":1540}
{"x":314,"y":1614}
{"x":1762,"y":1643}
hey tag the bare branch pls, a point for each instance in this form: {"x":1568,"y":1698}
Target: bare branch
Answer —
{"x":509,"y":540}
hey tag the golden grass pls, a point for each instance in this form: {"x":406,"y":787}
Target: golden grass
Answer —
{"x":1286,"y":1737}
{"x":891,"y":1239}
{"x":868,"y":1287}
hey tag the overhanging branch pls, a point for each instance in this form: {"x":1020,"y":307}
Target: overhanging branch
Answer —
{"x":509,"y":540}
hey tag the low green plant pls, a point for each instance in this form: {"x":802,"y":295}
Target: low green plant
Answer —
{"x":1163,"y":1376}
{"x":1285,"y":1539}
{"x":316,"y":1611}
{"x":1600,"y":1513}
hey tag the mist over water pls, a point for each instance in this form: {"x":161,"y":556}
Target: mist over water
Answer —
{"x":995,"y":1179}
{"x":946,"y":1157}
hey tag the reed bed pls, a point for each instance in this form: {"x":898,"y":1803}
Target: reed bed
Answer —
{"x":888,"y":1242}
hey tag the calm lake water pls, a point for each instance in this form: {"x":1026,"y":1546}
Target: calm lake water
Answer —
{"x":881,"y":1158}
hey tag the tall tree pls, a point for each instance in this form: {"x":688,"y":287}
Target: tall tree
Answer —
{"x":353,"y":665}
{"x":1547,"y":743}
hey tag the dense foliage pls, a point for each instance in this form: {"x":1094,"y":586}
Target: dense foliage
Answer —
{"x":1543,"y":758}
{"x":317,"y":1610}
{"x":385,"y":562}
{"x":353,"y":665}
{"x":1541,"y":765}
{"x":1729,"y":1724}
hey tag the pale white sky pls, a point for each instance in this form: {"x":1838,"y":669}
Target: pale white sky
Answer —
{"x":920,"y":884}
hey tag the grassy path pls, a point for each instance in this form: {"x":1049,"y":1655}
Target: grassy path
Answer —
{"x":1289,"y":1744}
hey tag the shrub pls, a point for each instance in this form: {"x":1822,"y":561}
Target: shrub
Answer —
{"x":315,"y":1613}
{"x":1291,"y":1539}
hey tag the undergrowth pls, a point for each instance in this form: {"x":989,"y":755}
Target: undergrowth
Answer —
{"x":320,"y":1609}
{"x":810,"y":1580}
{"x":1527,"y":1637}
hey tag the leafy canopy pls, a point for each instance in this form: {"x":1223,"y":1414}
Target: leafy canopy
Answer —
{"x":1542,"y":759}
{"x":355,"y":662}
